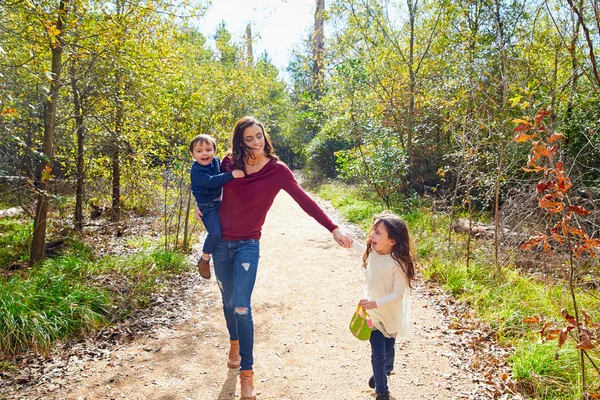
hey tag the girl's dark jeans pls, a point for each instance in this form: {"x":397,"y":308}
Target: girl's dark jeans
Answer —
{"x":382,"y":359}
{"x":236,"y":265}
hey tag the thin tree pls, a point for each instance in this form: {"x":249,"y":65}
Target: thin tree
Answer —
{"x":38,"y":243}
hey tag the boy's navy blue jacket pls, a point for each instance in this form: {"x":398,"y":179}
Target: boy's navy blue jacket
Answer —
{"x":207,"y":181}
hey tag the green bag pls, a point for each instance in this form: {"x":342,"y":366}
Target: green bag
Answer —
{"x":361,"y":325}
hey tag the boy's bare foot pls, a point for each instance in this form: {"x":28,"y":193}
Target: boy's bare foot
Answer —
{"x":204,"y":268}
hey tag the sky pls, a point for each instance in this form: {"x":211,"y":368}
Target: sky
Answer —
{"x":277,"y":25}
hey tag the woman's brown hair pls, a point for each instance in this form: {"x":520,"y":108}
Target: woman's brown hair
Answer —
{"x":402,"y":252}
{"x":239,"y":150}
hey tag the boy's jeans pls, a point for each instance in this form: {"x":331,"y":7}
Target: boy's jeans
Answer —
{"x":236,"y":265}
{"x":212,"y":223}
{"x":382,"y":359}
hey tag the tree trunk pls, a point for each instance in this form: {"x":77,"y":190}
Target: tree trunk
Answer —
{"x":39,"y":226}
{"x":574,"y":64}
{"x":470,"y":210}
{"x":80,"y":130}
{"x":116,"y":167}
{"x":411,"y":73}
{"x":179,"y":209}
{"x":318,"y":48}
{"x":186,"y":223}
{"x":249,"y":51}
{"x":503,"y":112}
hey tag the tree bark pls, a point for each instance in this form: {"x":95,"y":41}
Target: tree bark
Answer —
{"x":116,"y":167}
{"x":411,"y":73}
{"x":38,"y":242}
{"x":187,"y":219}
{"x":80,"y":130}
{"x":318,"y":47}
{"x":503,"y":112}
{"x":249,"y":51}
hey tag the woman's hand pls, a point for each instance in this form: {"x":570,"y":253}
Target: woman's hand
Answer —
{"x":341,"y":238}
{"x":198,"y":213}
{"x":368,"y":304}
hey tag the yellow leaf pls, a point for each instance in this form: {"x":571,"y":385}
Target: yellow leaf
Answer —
{"x":515,"y":100}
{"x":518,"y":121}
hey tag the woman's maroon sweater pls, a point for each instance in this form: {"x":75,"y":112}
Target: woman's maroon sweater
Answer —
{"x":247,"y":200}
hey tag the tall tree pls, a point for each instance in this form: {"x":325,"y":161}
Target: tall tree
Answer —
{"x":56,"y":41}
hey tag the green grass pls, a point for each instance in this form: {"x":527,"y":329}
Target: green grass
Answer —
{"x":501,"y":302}
{"x":15,"y":239}
{"x":76,"y":294}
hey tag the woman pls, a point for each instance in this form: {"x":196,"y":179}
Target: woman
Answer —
{"x":243,"y":210}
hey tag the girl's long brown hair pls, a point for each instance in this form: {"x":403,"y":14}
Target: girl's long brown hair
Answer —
{"x":239,"y":150}
{"x":402,"y":252}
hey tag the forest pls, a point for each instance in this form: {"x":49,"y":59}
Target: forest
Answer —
{"x":476,"y":120}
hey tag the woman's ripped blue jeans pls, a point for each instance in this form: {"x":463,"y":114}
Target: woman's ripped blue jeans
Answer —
{"x":236,"y":265}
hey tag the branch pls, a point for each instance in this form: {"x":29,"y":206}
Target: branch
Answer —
{"x":437,"y":19}
{"x":586,"y":31}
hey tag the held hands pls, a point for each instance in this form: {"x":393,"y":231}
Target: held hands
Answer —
{"x":238,"y":173}
{"x":368,"y":304}
{"x":342,"y":238}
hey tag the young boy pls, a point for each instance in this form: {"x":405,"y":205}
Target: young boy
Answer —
{"x":207,"y":182}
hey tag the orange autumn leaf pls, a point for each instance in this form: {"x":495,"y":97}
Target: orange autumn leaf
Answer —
{"x":541,"y":114}
{"x":542,"y":186}
{"x":8,"y":112}
{"x":522,"y":137}
{"x":535,"y":168}
{"x":533,"y":241}
{"x":47,"y":174}
{"x":568,"y":317}
{"x":531,"y":320}
{"x":579,"y":210}
{"x":576,"y":231}
{"x":556,"y":136}
{"x":550,"y":205}
{"x":586,"y":317}
{"x":540,"y":148}
{"x":585,"y":340}
{"x":547,"y":247}
{"x":562,"y":336}
{"x":546,"y":325}
{"x":552,"y":334}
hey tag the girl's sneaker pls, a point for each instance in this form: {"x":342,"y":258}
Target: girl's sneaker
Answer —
{"x":383,"y":396}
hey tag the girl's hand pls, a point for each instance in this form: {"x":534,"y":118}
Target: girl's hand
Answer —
{"x":198,"y":213}
{"x":341,"y":238}
{"x":238,"y":173}
{"x":368,"y":304}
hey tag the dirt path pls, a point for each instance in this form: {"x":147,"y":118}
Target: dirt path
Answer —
{"x":305,"y":294}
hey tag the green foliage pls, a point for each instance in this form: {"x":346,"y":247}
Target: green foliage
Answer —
{"x":76,"y":294}
{"x":378,"y":163}
{"x":15,"y":239}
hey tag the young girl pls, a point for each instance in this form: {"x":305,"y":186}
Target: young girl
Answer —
{"x":390,"y":270}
